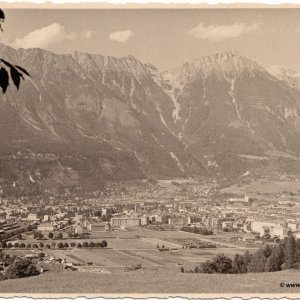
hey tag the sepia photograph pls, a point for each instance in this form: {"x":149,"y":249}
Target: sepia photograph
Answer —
{"x":149,"y":150}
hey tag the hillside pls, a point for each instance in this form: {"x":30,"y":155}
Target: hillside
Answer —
{"x":157,"y":282}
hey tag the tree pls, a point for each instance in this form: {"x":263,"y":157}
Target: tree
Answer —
{"x":60,"y":245}
{"x":50,"y":235}
{"x":72,"y":244}
{"x":91,"y":244}
{"x":28,"y":246}
{"x":79,"y":245}
{"x":289,"y":249}
{"x":223,"y":264}
{"x":53,"y":244}
{"x":48,"y":246}
{"x":60,"y":236}
{"x":104,"y":243}
{"x":16,"y":73}
{"x":239,"y":265}
{"x":21,"y":268}
{"x":41,"y":245}
{"x":275,"y":260}
{"x":38,"y":235}
{"x":66,"y":245}
{"x":85,"y":244}
{"x":258,"y":262}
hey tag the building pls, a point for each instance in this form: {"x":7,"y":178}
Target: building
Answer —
{"x":270,"y":228}
{"x":78,"y":229}
{"x":144,"y":221}
{"x":100,"y":227}
{"x":227,"y":225}
{"x":46,"y":227}
{"x":32,"y":217}
{"x":125,"y":222}
{"x":46,"y":218}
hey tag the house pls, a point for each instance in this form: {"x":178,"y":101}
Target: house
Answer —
{"x":227,"y":224}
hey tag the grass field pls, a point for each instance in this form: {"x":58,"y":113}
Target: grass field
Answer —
{"x":158,"y":281}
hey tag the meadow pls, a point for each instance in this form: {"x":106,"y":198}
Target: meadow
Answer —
{"x":155,"y":282}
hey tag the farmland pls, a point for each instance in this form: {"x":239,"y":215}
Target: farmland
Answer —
{"x":139,"y":246}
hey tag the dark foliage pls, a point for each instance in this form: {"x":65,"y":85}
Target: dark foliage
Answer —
{"x":21,"y":268}
{"x":16,"y":72}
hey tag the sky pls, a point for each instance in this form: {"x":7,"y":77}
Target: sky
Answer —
{"x":163,"y":37}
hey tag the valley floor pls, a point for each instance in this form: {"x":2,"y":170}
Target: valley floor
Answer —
{"x":153,"y":282}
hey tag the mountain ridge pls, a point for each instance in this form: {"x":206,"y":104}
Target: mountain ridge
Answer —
{"x":199,"y":119}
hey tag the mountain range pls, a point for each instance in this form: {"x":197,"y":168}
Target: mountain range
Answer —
{"x":106,"y":118}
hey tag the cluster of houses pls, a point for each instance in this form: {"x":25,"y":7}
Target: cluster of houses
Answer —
{"x":262,"y":216}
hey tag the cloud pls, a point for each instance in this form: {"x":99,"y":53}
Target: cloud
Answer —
{"x":217,"y":33}
{"x":50,"y":35}
{"x":88,"y":34}
{"x":45,"y":37}
{"x":121,"y":36}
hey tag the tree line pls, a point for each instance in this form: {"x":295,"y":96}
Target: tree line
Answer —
{"x":269,"y":258}
{"x":53,"y":245}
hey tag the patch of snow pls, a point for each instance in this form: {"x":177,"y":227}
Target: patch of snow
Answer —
{"x":179,"y":165}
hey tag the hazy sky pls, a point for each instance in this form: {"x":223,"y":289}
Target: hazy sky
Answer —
{"x":165,"y":38}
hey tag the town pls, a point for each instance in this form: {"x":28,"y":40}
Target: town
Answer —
{"x":147,"y":224}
